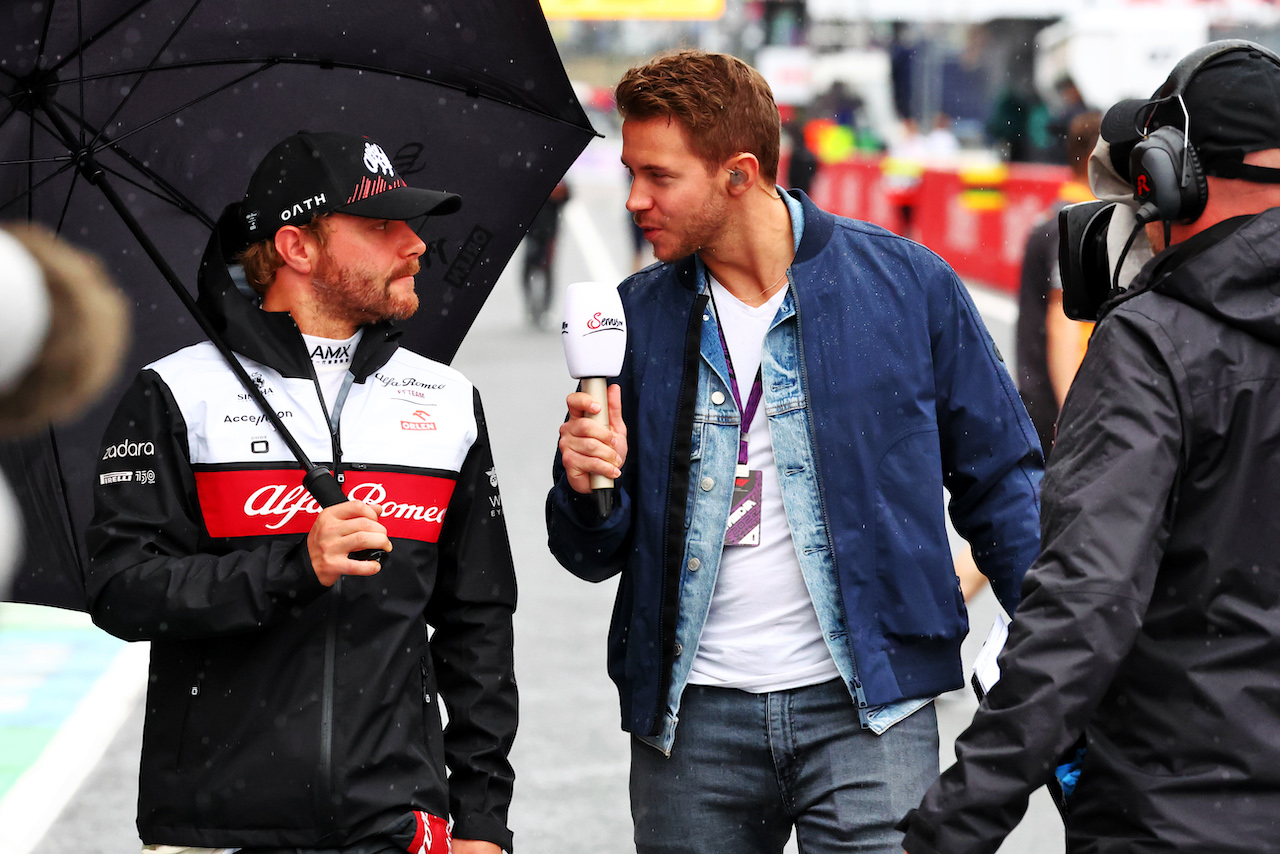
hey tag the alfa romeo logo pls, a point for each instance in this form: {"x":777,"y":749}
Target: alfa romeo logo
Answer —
{"x":375,"y":159}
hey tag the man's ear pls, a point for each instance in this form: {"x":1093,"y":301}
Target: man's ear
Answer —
{"x":743,"y":171}
{"x":296,"y":248}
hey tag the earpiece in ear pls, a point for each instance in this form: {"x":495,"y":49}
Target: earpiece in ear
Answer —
{"x":737,"y":176}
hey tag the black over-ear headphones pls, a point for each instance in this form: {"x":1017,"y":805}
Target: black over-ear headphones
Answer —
{"x":1164,"y":168}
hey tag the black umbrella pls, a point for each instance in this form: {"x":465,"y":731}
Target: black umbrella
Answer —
{"x":127,"y":126}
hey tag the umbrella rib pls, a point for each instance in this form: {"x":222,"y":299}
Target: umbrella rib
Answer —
{"x":66,"y":203}
{"x":174,"y":198}
{"x":85,"y":43}
{"x":270,"y":62}
{"x":116,"y":140}
{"x":142,"y":75}
{"x":30,"y":191}
{"x":80,"y":88}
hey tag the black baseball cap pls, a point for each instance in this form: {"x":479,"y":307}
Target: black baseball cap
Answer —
{"x":1232,"y":108}
{"x":310,"y":174}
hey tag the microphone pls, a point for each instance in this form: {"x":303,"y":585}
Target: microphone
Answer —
{"x":594,"y":334}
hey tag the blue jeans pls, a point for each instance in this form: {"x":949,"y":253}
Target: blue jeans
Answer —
{"x":746,"y":768}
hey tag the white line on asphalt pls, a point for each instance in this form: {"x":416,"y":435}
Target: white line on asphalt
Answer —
{"x":600,"y":264}
{"x":37,"y":797}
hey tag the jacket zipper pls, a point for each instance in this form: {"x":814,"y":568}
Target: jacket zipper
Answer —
{"x":327,"y":787}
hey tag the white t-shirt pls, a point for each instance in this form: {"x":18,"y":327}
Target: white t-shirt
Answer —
{"x":331,"y":359}
{"x":762,"y":632}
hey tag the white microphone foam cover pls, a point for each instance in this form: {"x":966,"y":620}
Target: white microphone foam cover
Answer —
{"x":594,"y":332}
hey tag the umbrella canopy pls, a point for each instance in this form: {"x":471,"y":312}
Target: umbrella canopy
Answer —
{"x":128,"y":125}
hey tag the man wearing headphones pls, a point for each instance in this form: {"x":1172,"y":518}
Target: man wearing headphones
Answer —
{"x":1150,"y":624}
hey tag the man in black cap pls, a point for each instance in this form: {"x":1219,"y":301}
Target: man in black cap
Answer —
{"x":1150,"y":624}
{"x":292,"y":701}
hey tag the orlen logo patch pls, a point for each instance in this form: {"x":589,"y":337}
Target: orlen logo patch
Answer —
{"x":129,"y":448}
{"x":421,"y":424}
{"x":273,"y":501}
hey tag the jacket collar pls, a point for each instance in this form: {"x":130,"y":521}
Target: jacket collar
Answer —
{"x":1230,"y":272}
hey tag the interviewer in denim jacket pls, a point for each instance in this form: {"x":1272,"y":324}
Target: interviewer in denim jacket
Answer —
{"x":787,"y":608}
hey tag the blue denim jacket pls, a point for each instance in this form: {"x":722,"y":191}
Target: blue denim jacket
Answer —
{"x":715,"y":452}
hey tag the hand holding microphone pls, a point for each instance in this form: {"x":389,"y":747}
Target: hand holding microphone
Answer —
{"x":594,"y":335}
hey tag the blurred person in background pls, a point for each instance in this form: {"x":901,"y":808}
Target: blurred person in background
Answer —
{"x":798,"y":390}
{"x":1069,"y":105}
{"x":1049,"y":344}
{"x":538,"y":276}
{"x":940,"y":142}
{"x":802,"y":163}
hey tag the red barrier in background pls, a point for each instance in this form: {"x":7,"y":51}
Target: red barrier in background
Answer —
{"x":976,"y":218}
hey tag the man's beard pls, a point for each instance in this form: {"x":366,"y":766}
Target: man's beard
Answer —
{"x":698,"y":229}
{"x":361,"y":295}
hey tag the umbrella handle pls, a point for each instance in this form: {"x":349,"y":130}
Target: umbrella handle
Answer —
{"x":324,"y":488}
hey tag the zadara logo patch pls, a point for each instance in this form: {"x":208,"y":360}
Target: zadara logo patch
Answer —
{"x":129,"y":448}
{"x":421,"y":424}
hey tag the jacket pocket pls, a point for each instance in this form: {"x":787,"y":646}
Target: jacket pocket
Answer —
{"x":432,"y":735}
{"x":918,"y":595}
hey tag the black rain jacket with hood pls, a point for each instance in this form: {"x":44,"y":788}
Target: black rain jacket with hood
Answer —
{"x":1151,"y":620}
{"x":280,"y":712}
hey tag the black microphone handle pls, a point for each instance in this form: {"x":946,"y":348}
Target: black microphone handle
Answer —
{"x":326,"y":490}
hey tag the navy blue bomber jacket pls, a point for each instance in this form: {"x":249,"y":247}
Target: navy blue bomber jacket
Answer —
{"x":906,"y":394}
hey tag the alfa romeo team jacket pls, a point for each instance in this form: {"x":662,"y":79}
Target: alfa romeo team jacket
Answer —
{"x":281,"y":712}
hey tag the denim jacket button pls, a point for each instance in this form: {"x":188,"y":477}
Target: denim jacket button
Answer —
{"x":717,"y":397}
{"x":707,"y":484}
{"x":694,"y":563}
{"x":679,"y":649}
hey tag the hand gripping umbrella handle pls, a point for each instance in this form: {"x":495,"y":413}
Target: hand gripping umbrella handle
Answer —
{"x":324,"y":487}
